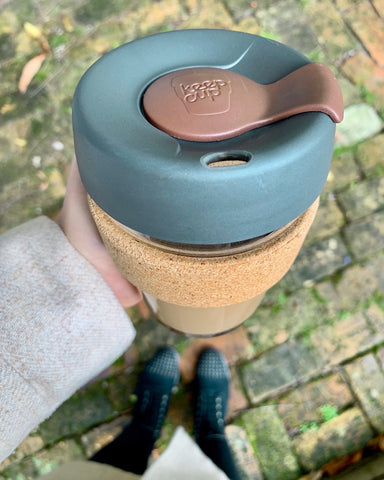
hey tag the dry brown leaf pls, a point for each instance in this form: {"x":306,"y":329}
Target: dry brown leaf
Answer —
{"x":336,"y":466}
{"x":7,"y":107}
{"x":44,"y":180}
{"x":377,"y":443}
{"x":281,"y":336}
{"x":44,"y":45}
{"x":381,"y":443}
{"x":32,"y":30}
{"x":29,"y":71}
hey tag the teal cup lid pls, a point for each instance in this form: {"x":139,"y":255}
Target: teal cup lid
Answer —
{"x":159,"y":179}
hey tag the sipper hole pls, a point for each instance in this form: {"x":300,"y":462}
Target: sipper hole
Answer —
{"x":227,"y":159}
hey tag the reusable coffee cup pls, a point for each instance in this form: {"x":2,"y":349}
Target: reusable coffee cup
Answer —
{"x":204,"y":153}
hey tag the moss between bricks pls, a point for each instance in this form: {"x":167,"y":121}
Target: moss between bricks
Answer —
{"x":328,"y":412}
{"x":271,"y":443}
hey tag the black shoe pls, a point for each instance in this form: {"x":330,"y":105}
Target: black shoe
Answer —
{"x":211,"y":397}
{"x":156,"y":383}
{"x":130,"y":451}
{"x":211,"y":394}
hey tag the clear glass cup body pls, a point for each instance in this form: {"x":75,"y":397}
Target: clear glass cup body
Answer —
{"x":195,"y":250}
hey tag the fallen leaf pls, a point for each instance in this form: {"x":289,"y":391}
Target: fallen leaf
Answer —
{"x":29,"y":71}
{"x":32,"y":30}
{"x":374,"y":444}
{"x":44,"y":180}
{"x":67,"y":22}
{"x":20,"y":142}
{"x":7,"y":107}
{"x":45,"y":45}
{"x":335,"y":466}
{"x":100,"y":49}
{"x":281,"y":336}
{"x":381,"y":443}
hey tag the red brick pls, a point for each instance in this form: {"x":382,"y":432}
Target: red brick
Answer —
{"x":367,"y":381}
{"x":369,"y":28}
{"x":379,"y":6}
{"x":344,"y":5}
{"x":363,"y":71}
{"x":237,"y":400}
{"x":28,"y":446}
{"x":370,"y":155}
{"x":330,"y":28}
{"x":271,"y":443}
{"x":343,"y":340}
{"x":339,"y":437}
{"x":375,"y":316}
{"x":243,"y":452}
{"x":234,"y":345}
{"x":305,"y":404}
{"x":279,"y":369}
{"x":101,"y":436}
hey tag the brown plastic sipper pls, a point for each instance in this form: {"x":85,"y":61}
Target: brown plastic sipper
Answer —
{"x":210,"y":104}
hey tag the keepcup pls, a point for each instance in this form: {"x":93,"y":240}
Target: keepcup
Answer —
{"x":204,"y":153}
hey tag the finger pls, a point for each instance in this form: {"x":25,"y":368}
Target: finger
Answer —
{"x":127,"y":294}
{"x":77,"y":223}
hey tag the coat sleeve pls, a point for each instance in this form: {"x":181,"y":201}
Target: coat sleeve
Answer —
{"x":60,"y":325}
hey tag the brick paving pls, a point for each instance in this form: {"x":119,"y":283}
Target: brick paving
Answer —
{"x":307,"y":367}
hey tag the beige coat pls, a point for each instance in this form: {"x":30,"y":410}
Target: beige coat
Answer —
{"x":61,"y":325}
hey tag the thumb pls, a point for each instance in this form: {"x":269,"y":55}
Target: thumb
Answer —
{"x":76,"y":221}
{"x":127,"y":294}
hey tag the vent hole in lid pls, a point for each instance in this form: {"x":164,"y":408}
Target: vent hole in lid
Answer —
{"x":227,"y":159}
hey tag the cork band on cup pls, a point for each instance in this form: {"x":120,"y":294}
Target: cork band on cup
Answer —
{"x":203,"y":282}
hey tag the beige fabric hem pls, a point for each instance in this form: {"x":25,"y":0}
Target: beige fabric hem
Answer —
{"x":182,"y":460}
{"x":88,"y":471}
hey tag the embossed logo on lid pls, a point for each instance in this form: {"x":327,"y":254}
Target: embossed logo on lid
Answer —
{"x":204,"y":94}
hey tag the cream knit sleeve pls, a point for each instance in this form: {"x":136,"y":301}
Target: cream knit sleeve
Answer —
{"x":60,"y":325}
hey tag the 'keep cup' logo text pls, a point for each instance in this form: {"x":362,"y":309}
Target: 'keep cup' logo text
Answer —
{"x":209,"y":89}
{"x":201,"y":95}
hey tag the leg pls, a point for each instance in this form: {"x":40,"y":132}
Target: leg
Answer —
{"x":212,"y":392}
{"x":131,"y":449}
